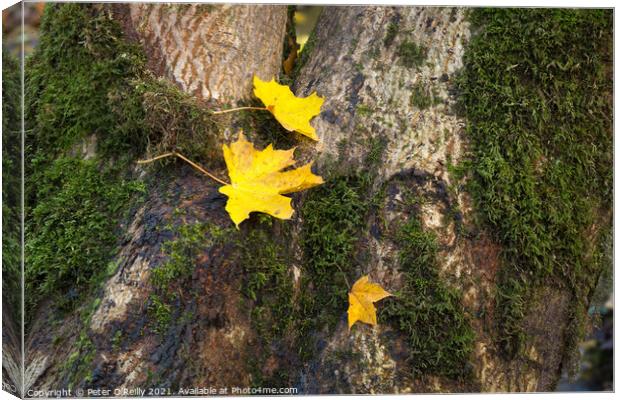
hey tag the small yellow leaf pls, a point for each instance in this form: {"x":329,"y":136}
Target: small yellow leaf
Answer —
{"x":293,"y":113}
{"x":361,"y":298}
{"x":257,"y":183}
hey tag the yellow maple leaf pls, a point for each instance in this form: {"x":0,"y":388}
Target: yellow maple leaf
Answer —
{"x":293,"y":113}
{"x":361,"y":298}
{"x":258,"y":182}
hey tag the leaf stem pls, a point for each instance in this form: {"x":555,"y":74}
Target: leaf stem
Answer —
{"x":238,"y":109}
{"x":159,"y":157}
{"x":345,"y":277}
{"x":187,"y":160}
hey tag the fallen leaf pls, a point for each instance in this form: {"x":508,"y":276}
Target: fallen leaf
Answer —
{"x":293,"y":113}
{"x":289,"y":63}
{"x":257,"y":183}
{"x":361,"y":298}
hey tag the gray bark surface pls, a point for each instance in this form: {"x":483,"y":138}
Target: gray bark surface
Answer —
{"x":351,"y":66}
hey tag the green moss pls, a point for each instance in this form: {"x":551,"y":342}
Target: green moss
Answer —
{"x":167,"y":118}
{"x":11,"y":185}
{"x":268,"y":289}
{"x":86,"y":82}
{"x":160,"y":313}
{"x":74,"y":205}
{"x":536,"y":91}
{"x":79,"y":363}
{"x":86,"y":79}
{"x":426,"y":311}
{"x":268,"y":282}
{"x":189,"y":242}
{"x":363,"y":110}
{"x":72,"y":230}
{"x":424,"y":97}
{"x":581,"y":308}
{"x":333,"y":216}
{"x":117,"y":340}
{"x":78,"y":366}
{"x":376,"y":148}
{"x":80,"y":60}
{"x":392,"y":30}
{"x":411,"y":54}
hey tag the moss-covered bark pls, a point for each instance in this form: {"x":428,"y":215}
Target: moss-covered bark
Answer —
{"x":11,"y":186}
{"x":536,"y":90}
{"x":92,"y":109}
{"x":74,"y":204}
{"x":162,"y":291}
{"x":11,"y":222}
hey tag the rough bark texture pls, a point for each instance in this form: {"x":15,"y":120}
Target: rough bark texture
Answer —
{"x":11,"y":351}
{"x":368,"y":83}
{"x":206,"y":349}
{"x":211,"y":52}
{"x":353,"y":68}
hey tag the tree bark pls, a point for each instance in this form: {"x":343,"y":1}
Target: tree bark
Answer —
{"x":210,"y":51}
{"x":367,"y":82}
{"x":355,"y":70}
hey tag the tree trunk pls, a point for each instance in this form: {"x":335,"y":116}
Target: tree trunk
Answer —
{"x":210,"y":51}
{"x":368,"y":89}
{"x":387,"y":75}
{"x":204,"y":51}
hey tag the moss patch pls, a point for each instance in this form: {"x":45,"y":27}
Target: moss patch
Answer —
{"x":81,"y":58}
{"x":86,"y":79}
{"x":74,"y":205}
{"x":268,"y":289}
{"x":333,"y":216}
{"x":11,"y":172}
{"x":427,"y":312}
{"x":86,"y":84}
{"x":268,"y":282}
{"x":167,"y":119}
{"x":411,"y":54}
{"x":536,"y":91}
{"x":79,"y":363}
{"x":78,"y":366}
{"x":190,"y":241}
{"x":73,"y":230}
{"x":423,"y":96}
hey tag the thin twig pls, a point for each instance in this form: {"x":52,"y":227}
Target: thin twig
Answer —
{"x":238,"y":109}
{"x":187,"y":160}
